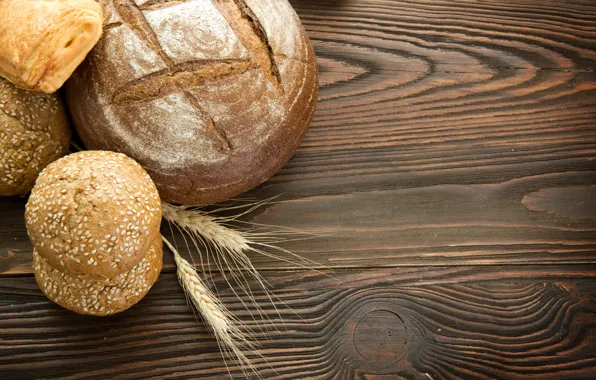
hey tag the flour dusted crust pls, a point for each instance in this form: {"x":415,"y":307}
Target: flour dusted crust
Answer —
{"x":43,"y":41}
{"x":211,"y":97}
{"x":87,"y":294}
{"x":34,"y":131}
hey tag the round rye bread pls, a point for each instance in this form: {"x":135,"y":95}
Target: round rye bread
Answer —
{"x":211,"y":97}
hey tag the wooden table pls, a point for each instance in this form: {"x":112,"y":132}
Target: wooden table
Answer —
{"x":450,"y":168}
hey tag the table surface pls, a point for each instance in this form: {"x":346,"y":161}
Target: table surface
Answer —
{"x":450,"y":174}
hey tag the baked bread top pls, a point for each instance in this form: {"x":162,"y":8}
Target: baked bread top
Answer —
{"x":93,"y":213}
{"x":211,"y":97}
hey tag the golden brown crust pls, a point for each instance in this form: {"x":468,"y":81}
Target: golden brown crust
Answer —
{"x":93,"y":213}
{"x":86,"y":295}
{"x":34,"y":131}
{"x":42,"y":42}
{"x":211,"y":105}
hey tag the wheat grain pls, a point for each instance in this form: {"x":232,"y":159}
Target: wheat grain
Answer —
{"x":206,"y":225}
{"x":227,"y":245}
{"x":233,"y":242}
{"x":228,"y":248}
{"x":225,"y":327}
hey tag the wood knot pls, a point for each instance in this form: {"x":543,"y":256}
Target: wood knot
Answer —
{"x":380,"y":337}
{"x":6,"y":254}
{"x":6,"y":260}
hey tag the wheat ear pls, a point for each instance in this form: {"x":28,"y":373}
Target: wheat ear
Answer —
{"x":223,"y":324}
{"x":227,"y":247}
{"x":232,"y":241}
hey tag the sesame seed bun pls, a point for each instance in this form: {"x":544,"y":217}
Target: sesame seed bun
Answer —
{"x":86,"y":295}
{"x":93,"y":218}
{"x":94,"y":214}
{"x":34,"y":131}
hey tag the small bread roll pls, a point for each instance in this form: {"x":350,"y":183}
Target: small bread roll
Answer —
{"x":34,"y":131}
{"x":93,"y":218}
{"x":89,"y":295}
{"x":42,"y":42}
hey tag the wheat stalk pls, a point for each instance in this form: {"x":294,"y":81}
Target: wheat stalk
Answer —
{"x":227,"y":245}
{"x":233,"y":242}
{"x":207,"y":225}
{"x":225,"y":327}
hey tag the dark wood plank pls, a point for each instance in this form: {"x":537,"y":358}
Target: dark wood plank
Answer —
{"x":427,"y":93}
{"x":573,"y":202}
{"x":452,"y":154}
{"x":436,"y":120}
{"x":447,"y":322}
{"x":439,"y":225}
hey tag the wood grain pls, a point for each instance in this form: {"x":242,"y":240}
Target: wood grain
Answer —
{"x":435,"y":120}
{"x":449,"y":171}
{"x":449,"y":322}
{"x":433,"y":225}
{"x":573,"y":202}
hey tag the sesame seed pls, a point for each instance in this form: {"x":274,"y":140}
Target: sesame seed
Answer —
{"x":94,"y":240}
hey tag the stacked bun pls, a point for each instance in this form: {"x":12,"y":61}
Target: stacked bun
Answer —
{"x":93,"y":218}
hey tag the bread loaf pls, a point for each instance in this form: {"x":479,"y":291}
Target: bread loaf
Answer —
{"x":211,"y":97}
{"x":43,"y":41}
{"x":93,"y":218}
{"x":34,"y":131}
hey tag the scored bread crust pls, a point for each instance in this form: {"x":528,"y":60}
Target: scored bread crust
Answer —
{"x":88,"y":295}
{"x":43,"y":41}
{"x":210,"y":97}
{"x":34,"y":131}
{"x":93,"y":213}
